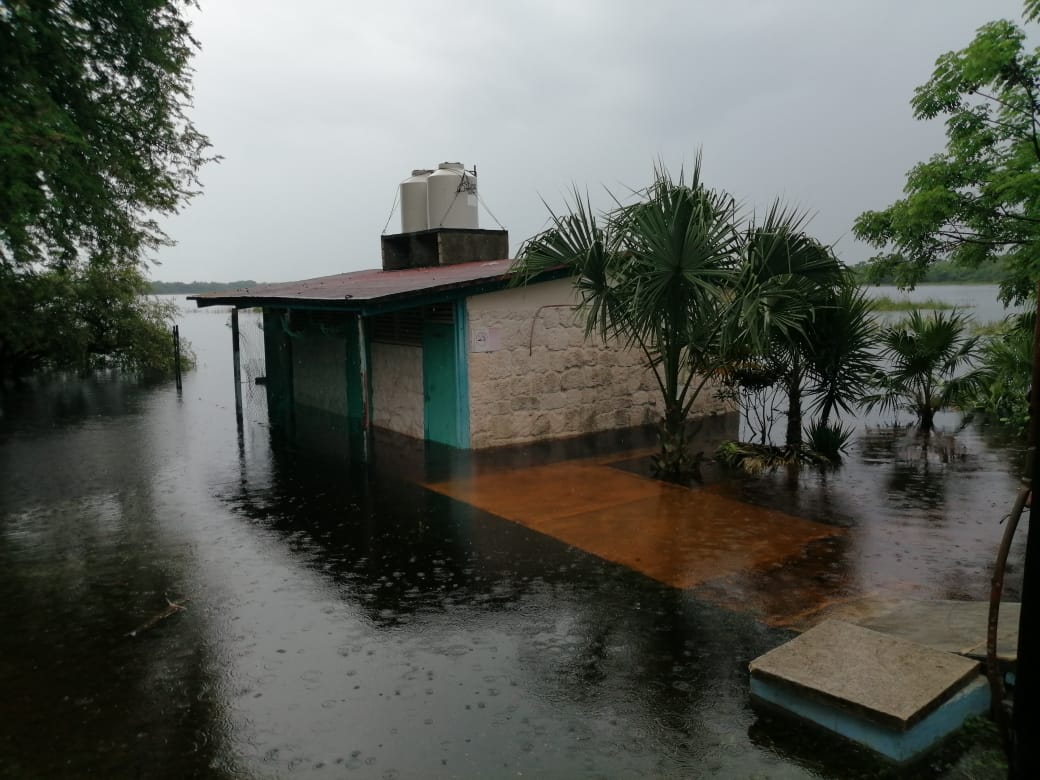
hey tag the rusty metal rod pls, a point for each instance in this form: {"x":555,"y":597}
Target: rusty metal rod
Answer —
{"x":996,"y":679}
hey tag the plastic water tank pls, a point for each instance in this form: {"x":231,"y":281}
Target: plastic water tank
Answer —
{"x":414,"y":215}
{"x":452,"y":197}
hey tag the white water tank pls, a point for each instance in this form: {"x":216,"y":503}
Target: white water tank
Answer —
{"x":414,"y":214}
{"x":452,"y":197}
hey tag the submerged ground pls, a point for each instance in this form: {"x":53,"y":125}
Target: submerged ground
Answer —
{"x":529,"y":614}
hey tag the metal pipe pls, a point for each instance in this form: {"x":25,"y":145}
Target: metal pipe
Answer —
{"x":366,"y":401}
{"x":177,"y":356}
{"x":237,"y":365}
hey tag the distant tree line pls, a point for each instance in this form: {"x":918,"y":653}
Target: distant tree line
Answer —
{"x":181,"y":288}
{"x":939,"y":272}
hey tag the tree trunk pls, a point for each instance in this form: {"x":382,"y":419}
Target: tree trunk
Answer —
{"x":825,"y":413}
{"x":673,"y":462}
{"x":794,"y":408}
{"x":927,"y":418}
{"x":1025,"y":724}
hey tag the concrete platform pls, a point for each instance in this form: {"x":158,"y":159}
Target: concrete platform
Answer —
{"x":895,"y":696}
{"x":954,"y":626}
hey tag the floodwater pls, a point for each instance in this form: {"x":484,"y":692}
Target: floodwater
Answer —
{"x":980,"y":301}
{"x":418,"y":619}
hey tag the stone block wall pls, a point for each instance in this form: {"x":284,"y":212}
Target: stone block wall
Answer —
{"x":533,"y":375}
{"x":397,"y":388}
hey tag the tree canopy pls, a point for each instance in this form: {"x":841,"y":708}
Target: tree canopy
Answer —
{"x":977,"y":201}
{"x":94,"y":136}
{"x":95,"y":146}
{"x":939,"y":272}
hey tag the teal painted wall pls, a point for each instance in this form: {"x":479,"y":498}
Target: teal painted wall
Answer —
{"x":440,"y":384}
{"x":278,"y":370}
{"x":319,"y":368}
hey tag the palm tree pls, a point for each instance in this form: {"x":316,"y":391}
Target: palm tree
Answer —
{"x":842,"y":359}
{"x":654,"y":275}
{"x":808,"y":329}
{"x":930,"y":360}
{"x":669,"y":275}
{"x":788,"y":280}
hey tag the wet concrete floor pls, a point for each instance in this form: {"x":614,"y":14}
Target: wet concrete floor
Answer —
{"x":348,"y":622}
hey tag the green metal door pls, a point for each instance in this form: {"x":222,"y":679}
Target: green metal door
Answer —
{"x":440,"y":384}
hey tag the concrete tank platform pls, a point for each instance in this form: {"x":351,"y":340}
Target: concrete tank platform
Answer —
{"x":895,"y":696}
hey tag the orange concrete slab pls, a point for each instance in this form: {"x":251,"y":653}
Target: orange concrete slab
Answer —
{"x":542,"y":492}
{"x":676,"y":535}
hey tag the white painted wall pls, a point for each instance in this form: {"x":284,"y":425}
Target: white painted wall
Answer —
{"x":397,"y":388}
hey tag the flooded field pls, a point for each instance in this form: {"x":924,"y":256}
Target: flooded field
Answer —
{"x":424,"y":618}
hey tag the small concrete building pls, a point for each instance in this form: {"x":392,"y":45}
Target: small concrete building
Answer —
{"x":437,"y":345}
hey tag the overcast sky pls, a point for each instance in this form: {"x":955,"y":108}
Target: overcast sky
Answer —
{"x":321,"y":107}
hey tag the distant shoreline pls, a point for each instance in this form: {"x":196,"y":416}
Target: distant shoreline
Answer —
{"x":180,"y":288}
{"x":943,"y":272}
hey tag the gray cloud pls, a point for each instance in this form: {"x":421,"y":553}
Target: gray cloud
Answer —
{"x":321,"y":108}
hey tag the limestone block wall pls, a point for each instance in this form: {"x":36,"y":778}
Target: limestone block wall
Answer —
{"x":533,"y":375}
{"x":397,"y":388}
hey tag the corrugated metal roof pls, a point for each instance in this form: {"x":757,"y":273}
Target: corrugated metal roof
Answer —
{"x":351,"y":291}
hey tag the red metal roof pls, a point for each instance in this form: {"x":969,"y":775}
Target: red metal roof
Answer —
{"x":352,"y":290}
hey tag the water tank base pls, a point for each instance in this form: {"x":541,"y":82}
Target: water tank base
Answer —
{"x":443,"y":246}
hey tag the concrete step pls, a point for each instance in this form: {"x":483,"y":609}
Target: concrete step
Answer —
{"x":895,"y":696}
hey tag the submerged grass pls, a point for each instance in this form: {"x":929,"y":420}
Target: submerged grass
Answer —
{"x":884,"y":303}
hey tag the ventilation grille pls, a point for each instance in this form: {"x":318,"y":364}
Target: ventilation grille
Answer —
{"x":400,"y":327}
{"x":405,"y":327}
{"x":440,"y":312}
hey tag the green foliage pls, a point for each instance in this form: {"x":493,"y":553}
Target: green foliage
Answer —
{"x":978,"y":201}
{"x":831,"y":440}
{"x":82,"y":320}
{"x":840,"y":353}
{"x":1005,"y":365}
{"x":786,"y":267}
{"x":938,"y":272}
{"x":95,"y":144}
{"x":827,"y":364}
{"x":929,"y":359}
{"x":823,"y":447}
{"x":759,"y":458}
{"x":94,"y":135}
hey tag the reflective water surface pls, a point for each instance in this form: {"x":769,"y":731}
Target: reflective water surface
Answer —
{"x":348,"y":622}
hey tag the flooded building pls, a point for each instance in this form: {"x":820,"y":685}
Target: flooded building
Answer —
{"x":438,"y":345}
